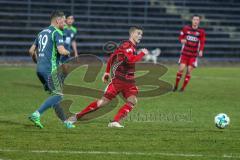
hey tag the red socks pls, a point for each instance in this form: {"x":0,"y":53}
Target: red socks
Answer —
{"x":178,"y":78}
{"x":123,"y":111}
{"x":91,"y":107}
{"x":186,"y":80}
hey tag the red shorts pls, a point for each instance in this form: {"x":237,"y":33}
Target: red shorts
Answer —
{"x":188,"y":60}
{"x":117,"y":86}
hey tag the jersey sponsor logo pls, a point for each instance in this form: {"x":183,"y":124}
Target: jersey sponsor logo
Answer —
{"x":191,"y":38}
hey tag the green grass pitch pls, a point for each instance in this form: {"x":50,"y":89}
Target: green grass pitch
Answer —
{"x":174,"y":126}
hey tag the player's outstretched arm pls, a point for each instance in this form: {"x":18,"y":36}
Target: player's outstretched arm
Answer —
{"x":145,"y":51}
{"x":135,"y":58}
{"x":32,"y":52}
{"x":200,"y":54}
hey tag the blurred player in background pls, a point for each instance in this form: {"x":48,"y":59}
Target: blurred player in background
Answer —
{"x":193,"y":41}
{"x":46,"y":51}
{"x":69,"y":37}
{"x":122,"y":64}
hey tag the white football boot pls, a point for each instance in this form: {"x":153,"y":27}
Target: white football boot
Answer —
{"x":115,"y":124}
{"x":72,"y":119}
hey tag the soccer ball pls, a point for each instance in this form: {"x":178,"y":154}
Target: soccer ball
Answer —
{"x":221,"y":120}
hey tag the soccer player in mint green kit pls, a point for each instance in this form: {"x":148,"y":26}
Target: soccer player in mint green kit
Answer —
{"x":46,"y":51}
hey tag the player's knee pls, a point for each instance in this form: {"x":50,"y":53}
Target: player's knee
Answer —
{"x":132,"y":101}
{"x":181,"y":70}
{"x":57,"y":94}
{"x":181,"y":67}
{"x":101,"y":102}
{"x":188,"y":73}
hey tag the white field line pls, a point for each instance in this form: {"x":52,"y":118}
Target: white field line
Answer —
{"x":230,"y":156}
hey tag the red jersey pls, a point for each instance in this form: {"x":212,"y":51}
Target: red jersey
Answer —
{"x":122,"y":62}
{"x":195,"y":41}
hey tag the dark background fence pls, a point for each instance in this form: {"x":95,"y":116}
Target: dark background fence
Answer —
{"x":100,"y":21}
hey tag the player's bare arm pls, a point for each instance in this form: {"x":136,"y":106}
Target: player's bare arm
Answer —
{"x":202,"y":44}
{"x":62,"y":50}
{"x":32,"y":52}
{"x":74,"y":46}
{"x":106,"y":75}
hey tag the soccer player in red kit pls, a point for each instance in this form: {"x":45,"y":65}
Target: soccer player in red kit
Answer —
{"x":122,"y":64}
{"x":193,"y":40}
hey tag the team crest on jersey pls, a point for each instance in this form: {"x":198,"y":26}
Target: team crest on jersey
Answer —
{"x":197,"y":33}
{"x":129,"y":50}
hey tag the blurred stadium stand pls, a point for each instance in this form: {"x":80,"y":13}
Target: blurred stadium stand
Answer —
{"x":100,"y":21}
